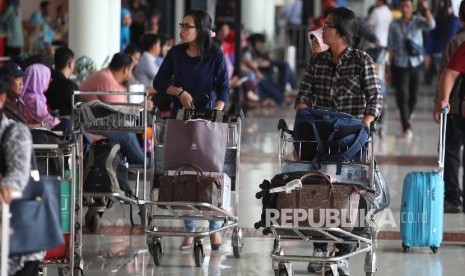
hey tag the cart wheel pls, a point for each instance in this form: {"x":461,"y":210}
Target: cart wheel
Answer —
{"x":92,"y":221}
{"x":434,"y":249}
{"x":65,"y":272}
{"x":283,"y":272}
{"x":405,"y":248}
{"x":237,"y":242}
{"x":198,"y":255}
{"x":157,"y":254}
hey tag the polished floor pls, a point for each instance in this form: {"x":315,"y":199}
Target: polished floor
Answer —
{"x":118,"y":249}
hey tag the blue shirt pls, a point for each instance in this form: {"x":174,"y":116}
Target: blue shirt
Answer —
{"x":195,"y":75}
{"x":399,"y":31}
{"x":49,"y":33}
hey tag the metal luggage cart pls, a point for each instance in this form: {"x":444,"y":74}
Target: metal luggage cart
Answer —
{"x":363,"y":237}
{"x":130,"y":117}
{"x":194,"y":210}
{"x":71,"y":263}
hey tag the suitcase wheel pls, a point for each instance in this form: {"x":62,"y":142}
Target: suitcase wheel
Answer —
{"x":434,"y":249}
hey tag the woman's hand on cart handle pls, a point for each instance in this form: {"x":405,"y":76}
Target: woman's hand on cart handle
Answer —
{"x":186,"y":99}
{"x":219,"y":105}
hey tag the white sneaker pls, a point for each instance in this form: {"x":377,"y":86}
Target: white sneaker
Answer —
{"x":343,"y":267}
{"x":317,"y":267}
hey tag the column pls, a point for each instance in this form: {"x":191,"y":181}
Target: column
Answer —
{"x":259,"y":16}
{"x":114,"y":27}
{"x":92,"y":31}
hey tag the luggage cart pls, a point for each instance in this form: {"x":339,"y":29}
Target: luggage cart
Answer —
{"x":130,"y":118}
{"x":71,"y":263}
{"x":363,"y":238}
{"x":194,"y":210}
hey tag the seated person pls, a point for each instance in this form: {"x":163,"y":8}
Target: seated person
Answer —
{"x":36,"y":82}
{"x":60,"y":91}
{"x":14,"y":104}
{"x":112,"y":79}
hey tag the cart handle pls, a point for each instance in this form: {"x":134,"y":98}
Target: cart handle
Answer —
{"x":319,"y":175}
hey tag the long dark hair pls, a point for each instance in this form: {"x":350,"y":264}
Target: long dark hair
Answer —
{"x":346,"y":25}
{"x":203,"y":24}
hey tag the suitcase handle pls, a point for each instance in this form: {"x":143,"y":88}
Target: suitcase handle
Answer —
{"x":318,"y":175}
{"x":195,"y":167}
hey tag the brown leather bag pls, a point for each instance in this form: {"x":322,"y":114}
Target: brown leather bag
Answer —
{"x":343,"y":198}
{"x":190,"y":188}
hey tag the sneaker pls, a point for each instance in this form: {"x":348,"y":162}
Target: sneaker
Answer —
{"x":451,"y":208}
{"x":316,"y":267}
{"x":343,"y":267}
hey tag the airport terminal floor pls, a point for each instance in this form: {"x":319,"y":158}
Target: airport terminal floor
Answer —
{"x":119,"y":249}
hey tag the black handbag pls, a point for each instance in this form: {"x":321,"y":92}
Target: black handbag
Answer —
{"x":36,"y":216}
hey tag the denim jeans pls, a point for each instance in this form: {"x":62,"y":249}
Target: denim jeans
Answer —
{"x":190,"y":225}
{"x":130,"y":146}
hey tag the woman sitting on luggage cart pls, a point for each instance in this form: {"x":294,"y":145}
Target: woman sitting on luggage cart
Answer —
{"x":189,"y":71}
{"x":342,"y":79}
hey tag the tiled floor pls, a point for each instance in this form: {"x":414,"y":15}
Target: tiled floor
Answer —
{"x":114,"y":251}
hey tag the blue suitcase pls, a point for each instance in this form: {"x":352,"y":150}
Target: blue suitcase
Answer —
{"x":422,"y":209}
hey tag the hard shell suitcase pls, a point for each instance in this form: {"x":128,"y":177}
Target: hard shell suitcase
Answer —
{"x":422,"y":206}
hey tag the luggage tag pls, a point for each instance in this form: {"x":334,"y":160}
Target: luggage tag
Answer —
{"x":288,"y":188}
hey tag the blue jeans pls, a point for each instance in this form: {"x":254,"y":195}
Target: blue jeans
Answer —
{"x":190,"y":225}
{"x":130,"y":146}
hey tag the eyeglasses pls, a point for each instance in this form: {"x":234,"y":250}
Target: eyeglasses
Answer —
{"x":328,"y":25}
{"x":185,"y":26}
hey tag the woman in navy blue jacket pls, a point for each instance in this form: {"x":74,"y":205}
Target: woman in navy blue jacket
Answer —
{"x":194,"y":72}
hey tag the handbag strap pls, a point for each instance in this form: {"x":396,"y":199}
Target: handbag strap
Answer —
{"x":192,"y":165}
{"x":318,"y":175}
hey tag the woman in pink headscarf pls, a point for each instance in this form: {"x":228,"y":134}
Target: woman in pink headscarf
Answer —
{"x":36,"y":82}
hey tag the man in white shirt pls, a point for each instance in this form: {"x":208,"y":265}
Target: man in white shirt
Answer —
{"x":379,"y":20}
{"x":147,"y":68}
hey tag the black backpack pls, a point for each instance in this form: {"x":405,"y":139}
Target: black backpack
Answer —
{"x":105,"y":169}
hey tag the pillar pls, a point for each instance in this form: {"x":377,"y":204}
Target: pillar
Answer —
{"x":94,"y":28}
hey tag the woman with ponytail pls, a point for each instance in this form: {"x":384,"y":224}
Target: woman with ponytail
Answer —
{"x":195,"y":73}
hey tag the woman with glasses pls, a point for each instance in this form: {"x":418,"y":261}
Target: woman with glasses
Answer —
{"x":343,"y":79}
{"x":194,"y":74}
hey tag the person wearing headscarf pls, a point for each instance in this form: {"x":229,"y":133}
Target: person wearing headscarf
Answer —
{"x":36,"y":82}
{"x":315,"y":39}
{"x":125,"y":31}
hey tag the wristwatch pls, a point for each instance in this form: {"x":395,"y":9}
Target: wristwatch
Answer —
{"x":180,"y":91}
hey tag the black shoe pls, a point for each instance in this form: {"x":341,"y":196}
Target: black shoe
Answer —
{"x":451,"y":208}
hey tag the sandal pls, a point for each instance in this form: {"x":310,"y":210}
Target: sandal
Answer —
{"x":187,"y":243}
